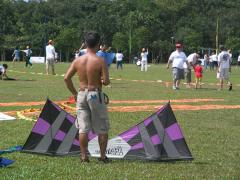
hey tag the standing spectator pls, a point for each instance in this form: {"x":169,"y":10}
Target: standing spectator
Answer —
{"x":28,"y":53}
{"x":206,"y":60}
{"x":106,"y":54}
{"x":177,"y":58}
{"x":119,"y":59}
{"x":50,"y":57}
{"x":238,"y":61}
{"x":16,"y":55}
{"x":92,"y":111}
{"x":198,"y":74}
{"x":213,"y":60}
{"x":144,"y":62}
{"x":192,"y":60}
{"x":223,"y":67}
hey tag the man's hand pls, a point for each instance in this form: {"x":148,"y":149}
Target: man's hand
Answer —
{"x":75,"y":97}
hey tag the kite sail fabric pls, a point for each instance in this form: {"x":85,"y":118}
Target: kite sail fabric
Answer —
{"x":11,"y":150}
{"x":4,"y":162}
{"x":54,"y":133}
{"x":159,"y":137}
{"x":4,"y":117}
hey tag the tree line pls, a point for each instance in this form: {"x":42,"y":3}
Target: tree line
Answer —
{"x":127,"y":25}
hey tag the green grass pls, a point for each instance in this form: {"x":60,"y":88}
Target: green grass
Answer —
{"x":212,"y":135}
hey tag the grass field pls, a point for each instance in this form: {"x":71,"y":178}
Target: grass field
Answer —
{"x":212,"y":135}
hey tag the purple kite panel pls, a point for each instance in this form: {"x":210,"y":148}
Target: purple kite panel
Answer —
{"x":127,"y":135}
{"x":41,"y":127}
{"x":60,"y":135}
{"x":174,"y":132}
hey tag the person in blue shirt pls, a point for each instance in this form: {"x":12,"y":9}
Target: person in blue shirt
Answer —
{"x":105,"y":53}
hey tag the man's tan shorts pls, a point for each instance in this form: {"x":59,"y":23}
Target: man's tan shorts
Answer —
{"x":224,"y":74}
{"x":92,"y":112}
{"x":50,"y":62}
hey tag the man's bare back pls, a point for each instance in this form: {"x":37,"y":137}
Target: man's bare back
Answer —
{"x":92,"y":72}
{"x":90,"y":69}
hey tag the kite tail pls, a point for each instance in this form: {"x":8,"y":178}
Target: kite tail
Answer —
{"x":12,"y":149}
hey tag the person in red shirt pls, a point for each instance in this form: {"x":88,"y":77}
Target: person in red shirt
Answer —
{"x":198,"y":74}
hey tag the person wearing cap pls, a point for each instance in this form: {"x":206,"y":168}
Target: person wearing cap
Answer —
{"x":28,"y":53}
{"x":50,"y":57}
{"x":177,"y":58}
{"x":224,"y":61}
{"x":192,"y":60}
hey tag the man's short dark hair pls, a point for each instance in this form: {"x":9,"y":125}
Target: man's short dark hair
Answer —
{"x":5,"y":66}
{"x":92,"y":39}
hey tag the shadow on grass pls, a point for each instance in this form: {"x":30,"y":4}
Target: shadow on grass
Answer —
{"x":199,"y":89}
{"x":13,"y":79}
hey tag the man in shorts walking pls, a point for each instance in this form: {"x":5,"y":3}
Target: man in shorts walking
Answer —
{"x":224,"y":61}
{"x":91,"y":108}
{"x":177,"y":58}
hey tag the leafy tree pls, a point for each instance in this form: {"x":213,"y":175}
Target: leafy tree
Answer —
{"x":67,"y":41}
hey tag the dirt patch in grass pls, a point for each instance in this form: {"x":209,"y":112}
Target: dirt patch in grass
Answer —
{"x":112,"y":102}
{"x":35,"y":112}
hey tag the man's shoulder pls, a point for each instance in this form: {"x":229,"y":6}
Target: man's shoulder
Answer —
{"x":174,"y":52}
{"x":182,"y":53}
{"x":90,"y":56}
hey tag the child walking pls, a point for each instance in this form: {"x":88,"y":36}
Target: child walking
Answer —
{"x":198,"y":74}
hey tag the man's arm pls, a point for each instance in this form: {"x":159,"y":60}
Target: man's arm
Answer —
{"x":169,"y":61}
{"x":105,"y":74}
{"x":219,"y":62}
{"x":68,"y":80}
{"x":54,"y":53}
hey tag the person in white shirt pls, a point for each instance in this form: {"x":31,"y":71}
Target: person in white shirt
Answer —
{"x":3,"y":71}
{"x":223,"y":67}
{"x":50,"y":57}
{"x":213,"y":59}
{"x":238,"y":61}
{"x":177,"y":58}
{"x":144,"y":62}
{"x":119,"y":59}
{"x":192,"y":60}
{"x":206,"y":60}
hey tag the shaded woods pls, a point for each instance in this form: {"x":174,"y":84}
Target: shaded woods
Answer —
{"x":128,"y":25}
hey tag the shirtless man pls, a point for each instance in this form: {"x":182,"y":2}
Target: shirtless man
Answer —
{"x":91,"y":109}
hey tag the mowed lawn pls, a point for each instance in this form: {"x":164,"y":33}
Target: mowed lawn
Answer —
{"x":212,"y":135}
